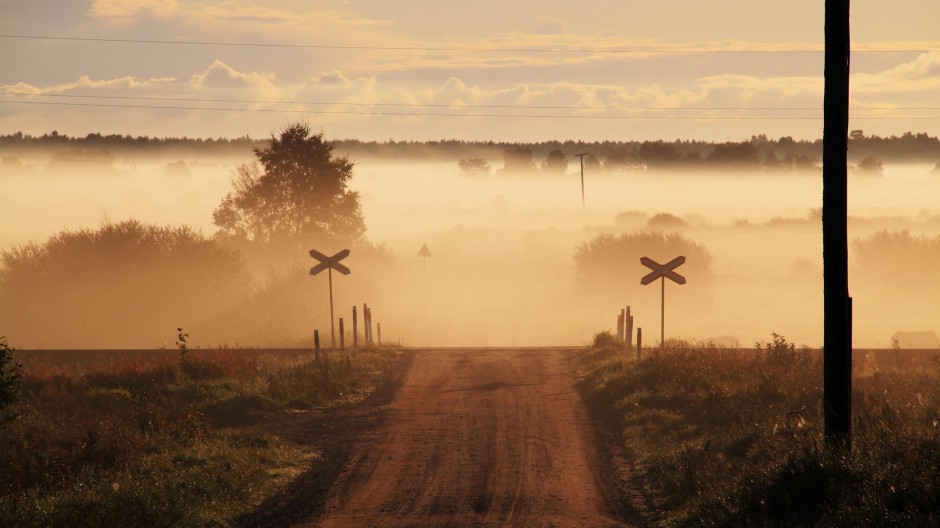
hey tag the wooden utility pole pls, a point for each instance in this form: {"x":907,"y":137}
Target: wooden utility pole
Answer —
{"x":583,"y":208}
{"x":837,"y":339}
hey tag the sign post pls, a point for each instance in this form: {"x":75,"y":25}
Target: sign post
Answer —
{"x":424,"y":253}
{"x":330,"y":264}
{"x":662,"y":271}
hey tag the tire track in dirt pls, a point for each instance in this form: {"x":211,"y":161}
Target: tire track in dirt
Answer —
{"x":480,"y":438}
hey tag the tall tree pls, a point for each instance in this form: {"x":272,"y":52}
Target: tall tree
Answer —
{"x":297,"y":190}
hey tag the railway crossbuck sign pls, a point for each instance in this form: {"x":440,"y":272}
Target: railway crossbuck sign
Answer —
{"x":330,"y":263}
{"x":662,"y":271}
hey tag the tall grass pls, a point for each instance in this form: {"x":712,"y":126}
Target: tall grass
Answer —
{"x":735,"y":437}
{"x":164,"y":443}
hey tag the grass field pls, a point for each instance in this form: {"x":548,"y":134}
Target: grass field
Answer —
{"x":172,"y":440}
{"x":734,"y":437}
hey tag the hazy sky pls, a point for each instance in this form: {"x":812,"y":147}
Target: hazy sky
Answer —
{"x":615,"y":69}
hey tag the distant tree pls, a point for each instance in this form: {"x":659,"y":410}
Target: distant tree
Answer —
{"x":659,"y":154}
{"x":591,"y":163}
{"x":734,"y":156}
{"x":474,"y":167}
{"x":869,"y":165}
{"x":297,"y":190}
{"x":663,"y":221}
{"x":772,"y":162}
{"x":611,"y":263}
{"x":555,"y":162}
{"x":518,"y":160}
{"x":898,"y":266}
{"x":622,"y":159}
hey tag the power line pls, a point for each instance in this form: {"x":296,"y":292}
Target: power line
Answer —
{"x":482,"y":115}
{"x":443,"y":105}
{"x":638,"y":51}
{"x":396,"y":114}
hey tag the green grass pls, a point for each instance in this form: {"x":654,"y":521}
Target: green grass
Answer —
{"x":166,"y":443}
{"x":734,"y":438}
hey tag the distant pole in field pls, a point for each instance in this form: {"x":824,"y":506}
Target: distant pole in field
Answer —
{"x":583,"y":207}
{"x":330,"y":263}
{"x":378,"y":330}
{"x":342,"y":335}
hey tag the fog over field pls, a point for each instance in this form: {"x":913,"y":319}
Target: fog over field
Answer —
{"x":502,"y":270}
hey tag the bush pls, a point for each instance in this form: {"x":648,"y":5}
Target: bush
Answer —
{"x":120,"y":285}
{"x":10,"y":376}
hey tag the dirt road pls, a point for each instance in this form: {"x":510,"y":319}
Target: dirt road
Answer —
{"x":480,"y":438}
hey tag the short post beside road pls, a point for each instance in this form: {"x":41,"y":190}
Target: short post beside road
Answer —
{"x":342,"y":335}
{"x":620,"y":326}
{"x":639,"y":343}
{"x":355,"y":329}
{"x":628,"y":327}
{"x":316,"y":345}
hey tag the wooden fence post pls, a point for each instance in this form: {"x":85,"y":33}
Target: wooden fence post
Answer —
{"x":639,"y":343}
{"x":620,"y":326}
{"x":316,"y":344}
{"x":342,"y":335}
{"x":355,"y":329}
{"x":378,"y":330}
{"x":628,"y":327}
{"x":365,"y":324}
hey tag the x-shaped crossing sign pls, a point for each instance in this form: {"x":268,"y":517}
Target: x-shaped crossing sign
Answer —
{"x":329,"y":262}
{"x":662,"y":270}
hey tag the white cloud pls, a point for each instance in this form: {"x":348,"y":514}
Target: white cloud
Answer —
{"x":86,"y":84}
{"x":221,"y":75}
{"x":201,"y":15}
{"x":919,"y":75}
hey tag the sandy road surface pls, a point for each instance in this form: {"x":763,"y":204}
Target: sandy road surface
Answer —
{"x":479,"y":438}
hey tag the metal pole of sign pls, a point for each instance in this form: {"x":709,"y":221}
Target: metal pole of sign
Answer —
{"x":662,"y":313}
{"x":332,"y":330}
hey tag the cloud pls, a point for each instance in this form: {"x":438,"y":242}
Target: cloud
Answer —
{"x":201,"y":16}
{"x":221,"y":75}
{"x":333,"y":77}
{"x":548,"y":26}
{"x":85,"y":84}
{"x":919,"y":75}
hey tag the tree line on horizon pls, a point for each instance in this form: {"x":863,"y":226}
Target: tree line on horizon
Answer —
{"x":756,"y":150}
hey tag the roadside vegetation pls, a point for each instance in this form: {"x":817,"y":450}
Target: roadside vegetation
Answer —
{"x":723,"y":437}
{"x":175,"y":440}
